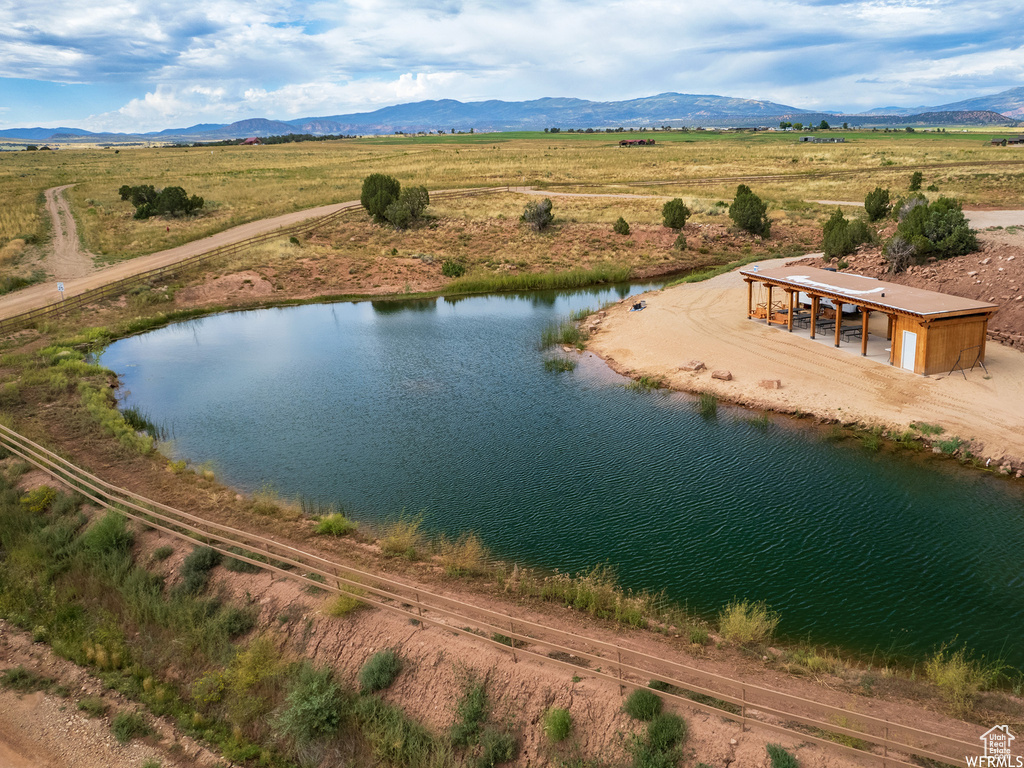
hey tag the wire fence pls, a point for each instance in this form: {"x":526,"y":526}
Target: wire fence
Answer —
{"x":887,"y":743}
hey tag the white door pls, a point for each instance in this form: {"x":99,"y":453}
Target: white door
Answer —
{"x":908,"y":350}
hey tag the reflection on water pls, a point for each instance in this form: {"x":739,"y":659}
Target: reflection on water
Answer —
{"x":445,"y":407}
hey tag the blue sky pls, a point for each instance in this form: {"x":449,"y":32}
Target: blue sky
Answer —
{"x":125,"y":65}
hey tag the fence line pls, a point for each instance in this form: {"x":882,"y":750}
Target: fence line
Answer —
{"x":628,"y":667}
{"x":118,"y":287}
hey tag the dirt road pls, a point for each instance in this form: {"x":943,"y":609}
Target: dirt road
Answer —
{"x":44,"y":294}
{"x":66,"y":260}
{"x":707,"y":322}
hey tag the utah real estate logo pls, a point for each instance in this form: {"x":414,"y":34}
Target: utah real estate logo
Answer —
{"x":998,"y":742}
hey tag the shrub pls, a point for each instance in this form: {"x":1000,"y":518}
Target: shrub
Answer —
{"x":450,"y":268}
{"x":399,"y":214}
{"x":642,"y":704}
{"x":37,"y":501}
{"x":93,"y":706}
{"x":557,"y":724}
{"x":313,"y":707}
{"x":379,"y":671}
{"x":938,"y":229}
{"x":746,"y":622}
{"x":680,"y":242}
{"x":416,"y":199}
{"x":876,"y":204}
{"x":195,"y":570}
{"x":403,"y":538}
{"x":334,"y":525}
{"x":470,"y":712}
{"x":749,"y":212}
{"x":621,"y":227}
{"x":128,"y":725}
{"x":162,"y":553}
{"x":780,"y":758}
{"x":537,"y":215}
{"x":674,"y":214}
{"x":496,"y":747}
{"x":465,"y":557}
{"x":378,"y":192}
{"x":915,"y":181}
{"x":666,"y":731}
{"x":840,"y":236}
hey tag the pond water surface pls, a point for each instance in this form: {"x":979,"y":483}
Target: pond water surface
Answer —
{"x":444,"y":408}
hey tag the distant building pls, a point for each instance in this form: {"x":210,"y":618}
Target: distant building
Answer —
{"x":817,"y":140}
{"x":251,"y":142}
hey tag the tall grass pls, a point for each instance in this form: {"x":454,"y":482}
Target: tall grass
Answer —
{"x":541,"y":281}
{"x":746,"y":622}
{"x":707,"y":404}
{"x":403,"y":537}
{"x":565,"y":332}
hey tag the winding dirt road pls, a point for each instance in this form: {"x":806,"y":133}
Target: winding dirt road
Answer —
{"x":66,"y":260}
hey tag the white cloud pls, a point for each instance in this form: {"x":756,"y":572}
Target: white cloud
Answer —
{"x":284,"y":58}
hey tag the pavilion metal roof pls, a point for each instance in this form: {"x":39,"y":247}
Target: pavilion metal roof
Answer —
{"x":869,"y":292}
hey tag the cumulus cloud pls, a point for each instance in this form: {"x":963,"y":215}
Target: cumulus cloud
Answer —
{"x":227,"y":59}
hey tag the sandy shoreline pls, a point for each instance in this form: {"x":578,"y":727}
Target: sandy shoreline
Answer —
{"x":707,"y":322}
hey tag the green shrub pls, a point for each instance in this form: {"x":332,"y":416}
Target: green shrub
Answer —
{"x":379,"y":671}
{"x":24,"y":680}
{"x":938,"y":229}
{"x":537,"y":215}
{"x":915,"y":181}
{"x":959,"y":678}
{"x":743,"y":622}
{"x":93,"y":706}
{"x":496,"y":747}
{"x":680,"y":242}
{"x":335,"y":525}
{"x":621,"y":226}
{"x":450,"y":268}
{"x":314,"y":706}
{"x":666,"y":731}
{"x":162,"y":553}
{"x":560,"y":364}
{"x":470,"y":712}
{"x":403,"y":537}
{"x":38,"y":500}
{"x":674,"y":214}
{"x":557,"y":724}
{"x":129,"y":725}
{"x":466,"y":556}
{"x":780,"y":758}
{"x":749,"y":212}
{"x":642,"y":704}
{"x":195,"y":570}
{"x":876,"y":204}
{"x":378,"y":192}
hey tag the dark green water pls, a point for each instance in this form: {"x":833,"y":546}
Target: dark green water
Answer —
{"x":445,"y":408}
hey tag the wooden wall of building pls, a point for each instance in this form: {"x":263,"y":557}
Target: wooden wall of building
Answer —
{"x":939,"y":342}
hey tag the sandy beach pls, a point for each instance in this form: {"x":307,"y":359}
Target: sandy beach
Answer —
{"x":707,"y":322}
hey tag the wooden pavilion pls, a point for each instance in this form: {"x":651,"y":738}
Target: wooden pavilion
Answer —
{"x":930,"y":332}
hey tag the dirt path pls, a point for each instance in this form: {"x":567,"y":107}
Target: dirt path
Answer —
{"x":707,"y":321}
{"x":66,"y":259}
{"x":46,"y":293}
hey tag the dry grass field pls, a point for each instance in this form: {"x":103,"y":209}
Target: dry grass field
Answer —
{"x":246,"y":183}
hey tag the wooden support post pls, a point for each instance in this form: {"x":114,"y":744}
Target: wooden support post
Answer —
{"x":419,"y":610}
{"x":863,"y":332}
{"x":618,"y":656}
{"x":750,"y":299}
{"x":888,"y":329}
{"x":814,"y":314}
{"x":789,"y":317}
{"x":743,"y":711}
{"x":839,"y":320}
{"x":768,"y":305}
{"x":512,"y":629}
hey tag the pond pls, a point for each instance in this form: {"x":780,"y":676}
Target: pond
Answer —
{"x":444,"y":408}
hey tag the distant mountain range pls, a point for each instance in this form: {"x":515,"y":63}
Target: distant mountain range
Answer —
{"x":674,"y":109}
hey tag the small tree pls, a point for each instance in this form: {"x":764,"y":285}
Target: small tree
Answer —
{"x":835,"y":240}
{"x":379,"y":191}
{"x":675,"y":213}
{"x":749,"y":212}
{"x":915,"y":181}
{"x":417,"y":198}
{"x":823,"y":125}
{"x":621,"y":227}
{"x":538,"y":215}
{"x":877,"y":204}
